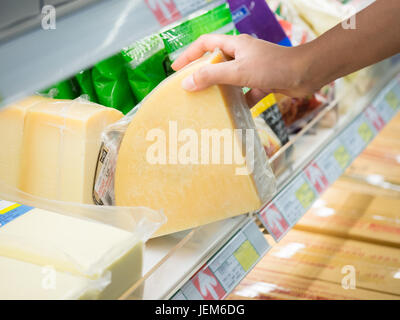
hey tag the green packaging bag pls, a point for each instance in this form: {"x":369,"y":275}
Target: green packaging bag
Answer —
{"x":146,"y":65}
{"x":216,"y":20}
{"x":84,"y":80}
{"x":67,"y":89}
{"x":111,"y":84}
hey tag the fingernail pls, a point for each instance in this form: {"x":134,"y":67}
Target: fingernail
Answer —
{"x":188,"y":83}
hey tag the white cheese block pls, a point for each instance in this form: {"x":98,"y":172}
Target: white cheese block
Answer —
{"x":25,"y":281}
{"x":11,"y":135}
{"x":60,"y":148}
{"x":75,"y":246}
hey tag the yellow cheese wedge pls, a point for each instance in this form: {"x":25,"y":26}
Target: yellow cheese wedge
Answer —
{"x":11,"y":135}
{"x":24,"y":281}
{"x":60,"y":148}
{"x":78,"y":247}
{"x":192,"y":191}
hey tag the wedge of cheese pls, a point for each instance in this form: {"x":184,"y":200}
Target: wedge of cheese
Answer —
{"x":167,"y":161}
{"x":25,"y":281}
{"x":82,"y":248}
{"x":60,"y":148}
{"x":11,"y":135}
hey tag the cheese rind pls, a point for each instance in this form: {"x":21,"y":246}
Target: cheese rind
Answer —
{"x":60,"y":148}
{"x":191,"y":194}
{"x":11,"y":135}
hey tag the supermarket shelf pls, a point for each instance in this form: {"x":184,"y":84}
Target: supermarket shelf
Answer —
{"x":173,"y":264}
{"x":104,"y":28}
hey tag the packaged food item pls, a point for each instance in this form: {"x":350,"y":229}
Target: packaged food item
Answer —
{"x":262,"y":284}
{"x":84,"y":79}
{"x":111,"y":84}
{"x":337,"y":260}
{"x":272,"y":116}
{"x":66,"y":89}
{"x":322,"y":15}
{"x":55,"y":146}
{"x":295,"y":28}
{"x":355,"y":215}
{"x":254,"y":17}
{"x":26,"y":281}
{"x":207,"y":185}
{"x":217,"y":19}
{"x":268,"y":138}
{"x":146,"y":65}
{"x":12,"y":119}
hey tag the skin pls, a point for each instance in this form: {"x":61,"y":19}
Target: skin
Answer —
{"x":302,"y":70}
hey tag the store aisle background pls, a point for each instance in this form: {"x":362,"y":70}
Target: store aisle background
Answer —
{"x":364,"y":206}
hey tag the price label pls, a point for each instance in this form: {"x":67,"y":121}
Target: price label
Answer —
{"x":374,"y":117}
{"x":274,"y":221}
{"x":316,"y":177}
{"x":305,"y":195}
{"x":392,"y":100}
{"x":246,"y":255}
{"x":365,"y":132}
{"x":342,"y":157}
{"x":165,"y":11}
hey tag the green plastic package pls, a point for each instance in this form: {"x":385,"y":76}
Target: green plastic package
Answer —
{"x":67,"y":89}
{"x":216,"y":20}
{"x":84,"y":80}
{"x":111,"y":84}
{"x":146,"y":65}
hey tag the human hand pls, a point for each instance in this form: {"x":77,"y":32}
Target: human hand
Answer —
{"x":257,"y":64}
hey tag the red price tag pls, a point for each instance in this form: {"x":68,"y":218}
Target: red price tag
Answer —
{"x":165,"y":11}
{"x":317,"y":177}
{"x":274,"y":221}
{"x":208,"y":285}
{"x":375,"y":119}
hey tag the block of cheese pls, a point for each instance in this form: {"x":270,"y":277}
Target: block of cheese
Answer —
{"x":61,"y":143}
{"x":164,"y":161}
{"x":25,"y":281}
{"x":11,"y":134}
{"x":327,"y":258}
{"x":262,"y":284}
{"x":79,"y":247}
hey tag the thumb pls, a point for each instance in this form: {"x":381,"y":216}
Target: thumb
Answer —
{"x":219,"y":73}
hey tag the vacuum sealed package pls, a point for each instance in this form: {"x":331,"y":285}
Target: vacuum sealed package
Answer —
{"x":296,"y":29}
{"x":146,"y":65}
{"x":255,"y":18}
{"x":161,"y":156}
{"x":217,"y":19}
{"x":111,"y":84}
{"x":66,"y":89}
{"x":85,"y":82}
{"x":47,"y":191}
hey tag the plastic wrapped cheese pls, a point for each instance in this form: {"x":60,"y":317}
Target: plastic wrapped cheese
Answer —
{"x":12,"y":120}
{"x":61,"y":142}
{"x":166,"y":161}
{"x":25,"y":281}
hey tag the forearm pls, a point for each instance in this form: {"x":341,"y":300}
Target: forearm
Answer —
{"x":342,"y":51}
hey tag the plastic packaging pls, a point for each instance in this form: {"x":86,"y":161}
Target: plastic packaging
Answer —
{"x":217,"y":19}
{"x":66,"y":89}
{"x":111,"y":84}
{"x":84,"y":79}
{"x":254,"y":17}
{"x":146,"y":65}
{"x":104,"y":186}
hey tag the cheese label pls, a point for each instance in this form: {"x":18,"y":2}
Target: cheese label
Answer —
{"x":11,"y":210}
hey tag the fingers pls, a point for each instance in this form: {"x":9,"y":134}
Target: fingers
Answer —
{"x":219,"y":73}
{"x":205,"y":43}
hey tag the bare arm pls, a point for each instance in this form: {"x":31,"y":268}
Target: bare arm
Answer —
{"x":301,"y":70}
